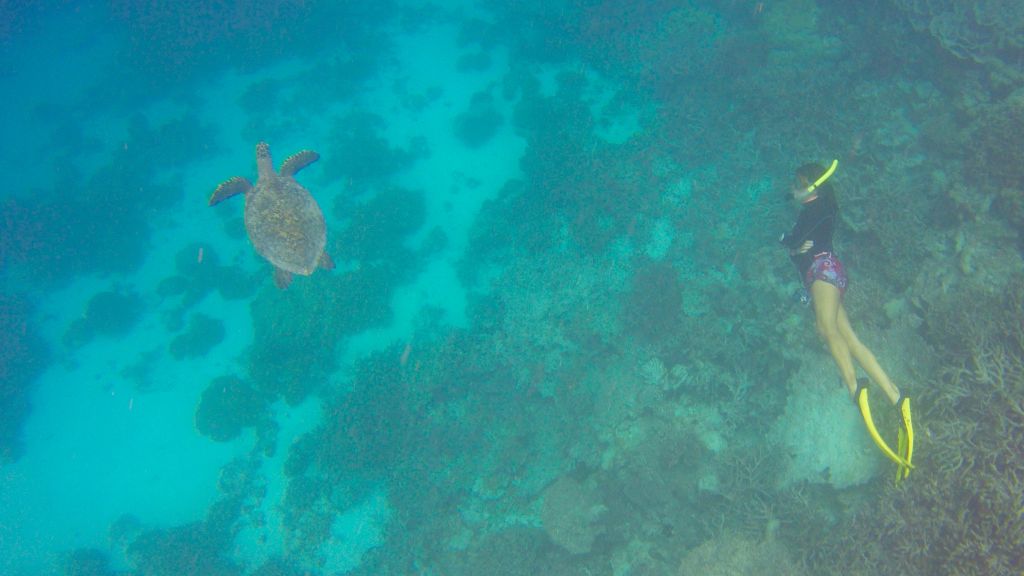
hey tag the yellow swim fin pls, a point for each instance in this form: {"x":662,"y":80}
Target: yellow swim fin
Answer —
{"x":901,"y":471}
{"x":861,"y":397}
{"x":906,"y":435}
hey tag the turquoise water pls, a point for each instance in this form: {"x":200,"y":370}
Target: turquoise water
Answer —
{"x":559,"y":337}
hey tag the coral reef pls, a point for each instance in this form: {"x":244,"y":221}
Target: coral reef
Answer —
{"x":691,"y":30}
{"x":731,"y":555}
{"x":204,"y":547}
{"x":745,"y":488}
{"x":480,"y":122}
{"x":818,"y":406}
{"x":296,"y":333}
{"x":199,"y":272}
{"x":228,"y":406}
{"x":190,"y":549}
{"x":362,"y":155}
{"x":652,"y":308}
{"x":989,"y":32}
{"x":23,"y":357}
{"x":654,"y":465}
{"x":993,"y":137}
{"x":379,"y":229}
{"x":573,"y":177}
{"x":571,"y":513}
{"x":630,"y":394}
{"x":392,"y":426}
{"x":279,"y":567}
{"x":960,"y":512}
{"x":181,"y":43}
{"x":202,"y":335}
{"x":107,"y":314}
{"x":644,"y":42}
{"x":100,"y":223}
{"x":374,"y":426}
{"x":515,"y":551}
{"x":87,"y":562}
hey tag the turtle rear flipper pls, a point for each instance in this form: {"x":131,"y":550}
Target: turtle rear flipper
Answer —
{"x":229,"y":188}
{"x":325,"y":262}
{"x":282,"y":278}
{"x":298,"y":161}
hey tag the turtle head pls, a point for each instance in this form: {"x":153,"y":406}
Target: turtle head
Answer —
{"x":264,"y":164}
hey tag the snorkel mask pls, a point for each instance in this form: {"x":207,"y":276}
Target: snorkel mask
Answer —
{"x":809,"y":191}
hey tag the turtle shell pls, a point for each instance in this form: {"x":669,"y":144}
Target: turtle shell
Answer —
{"x":285,"y":224}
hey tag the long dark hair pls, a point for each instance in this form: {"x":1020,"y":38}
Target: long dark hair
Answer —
{"x":811,"y":172}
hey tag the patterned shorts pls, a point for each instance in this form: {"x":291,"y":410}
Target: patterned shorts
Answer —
{"x":827,"y":268}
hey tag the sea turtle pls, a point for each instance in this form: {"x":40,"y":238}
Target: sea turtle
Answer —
{"x":284,"y":222}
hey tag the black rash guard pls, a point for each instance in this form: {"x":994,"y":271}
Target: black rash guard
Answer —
{"x":817,"y":223}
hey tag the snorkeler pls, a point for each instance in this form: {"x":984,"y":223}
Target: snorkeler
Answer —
{"x":824,"y":280}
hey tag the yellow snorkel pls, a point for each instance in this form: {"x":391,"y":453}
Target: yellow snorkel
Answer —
{"x":825,"y":176}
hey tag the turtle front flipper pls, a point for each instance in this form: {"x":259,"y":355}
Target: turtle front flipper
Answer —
{"x":229,"y":188}
{"x":325,"y":262}
{"x":282,"y":278}
{"x":298,"y":161}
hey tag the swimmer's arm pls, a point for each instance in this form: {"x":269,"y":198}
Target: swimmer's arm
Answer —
{"x":805,"y":225}
{"x":795,"y":237}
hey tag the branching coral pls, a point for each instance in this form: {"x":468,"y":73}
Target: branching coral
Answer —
{"x":654,"y":305}
{"x":960,"y":513}
{"x":745,"y":487}
{"x":986,"y":31}
{"x":554,"y":312}
{"x":994,"y":152}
